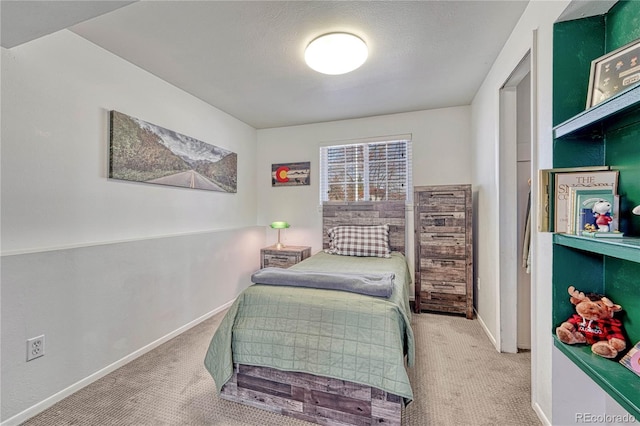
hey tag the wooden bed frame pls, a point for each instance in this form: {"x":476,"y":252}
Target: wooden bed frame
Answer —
{"x":320,"y":399}
{"x":367,"y":213}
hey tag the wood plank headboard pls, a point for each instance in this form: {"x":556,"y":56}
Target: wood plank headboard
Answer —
{"x":367,"y":213}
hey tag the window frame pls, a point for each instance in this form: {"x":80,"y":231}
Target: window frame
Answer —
{"x":366,"y":144}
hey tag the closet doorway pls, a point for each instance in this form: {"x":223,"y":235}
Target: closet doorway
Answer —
{"x":514,"y":185}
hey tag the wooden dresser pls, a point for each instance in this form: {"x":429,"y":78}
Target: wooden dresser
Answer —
{"x":444,"y":249}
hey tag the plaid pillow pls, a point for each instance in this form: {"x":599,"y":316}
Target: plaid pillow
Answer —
{"x":354,"y":240}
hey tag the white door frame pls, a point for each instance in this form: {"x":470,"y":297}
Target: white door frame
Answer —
{"x":508,"y":261}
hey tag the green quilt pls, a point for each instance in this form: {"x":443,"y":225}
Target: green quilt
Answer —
{"x":330,"y":333}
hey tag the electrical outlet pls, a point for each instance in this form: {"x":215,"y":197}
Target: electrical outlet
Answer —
{"x":35,"y":347}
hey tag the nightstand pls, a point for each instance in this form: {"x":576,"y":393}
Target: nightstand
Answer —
{"x":283,"y":258}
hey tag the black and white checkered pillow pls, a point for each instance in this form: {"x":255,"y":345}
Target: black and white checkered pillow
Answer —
{"x":354,"y":240}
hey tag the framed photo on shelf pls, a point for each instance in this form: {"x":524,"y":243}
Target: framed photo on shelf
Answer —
{"x":614,"y":73}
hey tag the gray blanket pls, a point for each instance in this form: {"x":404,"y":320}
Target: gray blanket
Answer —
{"x":379,"y":285}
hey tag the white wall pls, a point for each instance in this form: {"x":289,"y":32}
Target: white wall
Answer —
{"x":103,"y":305}
{"x":441,"y":155}
{"x":105,"y":268}
{"x":539,"y":15}
{"x":56,"y":94}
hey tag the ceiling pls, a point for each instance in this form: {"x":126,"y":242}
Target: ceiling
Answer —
{"x":246,"y":57}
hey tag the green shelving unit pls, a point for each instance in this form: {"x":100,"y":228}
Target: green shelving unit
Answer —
{"x":606,"y":134}
{"x":589,"y":120}
{"x":620,"y":383}
{"x":627,"y":248}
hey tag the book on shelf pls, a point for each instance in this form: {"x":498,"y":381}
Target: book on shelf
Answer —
{"x":599,"y":234}
{"x":563,"y":182}
{"x":581,"y":216}
{"x":631,"y":359}
{"x":546,"y":193}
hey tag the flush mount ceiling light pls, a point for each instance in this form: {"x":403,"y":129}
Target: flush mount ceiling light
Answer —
{"x":336,"y":53}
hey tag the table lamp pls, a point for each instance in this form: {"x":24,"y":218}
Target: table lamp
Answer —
{"x":279,"y":226}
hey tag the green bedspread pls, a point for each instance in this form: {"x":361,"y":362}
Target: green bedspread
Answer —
{"x":331,"y":333}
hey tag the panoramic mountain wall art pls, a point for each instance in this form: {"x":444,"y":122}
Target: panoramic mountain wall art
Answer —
{"x":143,"y":152}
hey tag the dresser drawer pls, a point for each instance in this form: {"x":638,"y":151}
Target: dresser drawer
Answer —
{"x":442,"y":201}
{"x":451,"y":222}
{"x":444,"y":302}
{"x":454,"y":270}
{"x":448,"y":287}
{"x":443,"y":276}
{"x":448,"y":246}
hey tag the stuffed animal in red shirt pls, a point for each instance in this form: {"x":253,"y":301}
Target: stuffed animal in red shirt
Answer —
{"x":602,"y":212}
{"x":593,"y":324}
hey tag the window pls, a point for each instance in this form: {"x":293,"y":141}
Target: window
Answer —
{"x":368,"y":171}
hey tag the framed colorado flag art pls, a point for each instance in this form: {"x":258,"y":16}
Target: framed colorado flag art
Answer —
{"x":290,"y":174}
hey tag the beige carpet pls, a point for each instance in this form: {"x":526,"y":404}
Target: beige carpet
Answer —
{"x":459,"y":379}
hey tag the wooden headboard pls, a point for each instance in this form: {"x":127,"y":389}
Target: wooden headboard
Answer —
{"x":367,"y":213}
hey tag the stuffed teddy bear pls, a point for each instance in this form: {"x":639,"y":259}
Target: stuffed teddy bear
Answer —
{"x":593,"y":324}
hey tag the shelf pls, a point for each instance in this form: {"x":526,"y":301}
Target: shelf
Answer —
{"x":599,"y":113}
{"x":627,"y":248}
{"x":619,"y":382}
{"x":607,"y":133}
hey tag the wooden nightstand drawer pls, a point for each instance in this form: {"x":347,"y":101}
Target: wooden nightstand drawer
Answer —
{"x":283,"y":258}
{"x":279,"y":260}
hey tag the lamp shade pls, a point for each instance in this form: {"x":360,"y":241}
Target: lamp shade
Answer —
{"x":279,"y":225}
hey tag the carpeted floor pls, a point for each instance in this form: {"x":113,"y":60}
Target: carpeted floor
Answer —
{"x":459,"y":379}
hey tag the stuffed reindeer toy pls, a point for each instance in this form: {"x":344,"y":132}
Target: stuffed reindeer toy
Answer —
{"x":593,"y":324}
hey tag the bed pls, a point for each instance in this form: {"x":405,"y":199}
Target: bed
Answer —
{"x":319,"y":354}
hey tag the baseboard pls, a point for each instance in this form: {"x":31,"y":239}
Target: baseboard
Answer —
{"x":543,"y":418}
{"x":487,"y":332}
{"x":43,"y":405}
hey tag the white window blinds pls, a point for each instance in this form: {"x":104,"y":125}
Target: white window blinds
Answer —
{"x":368,"y":171}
